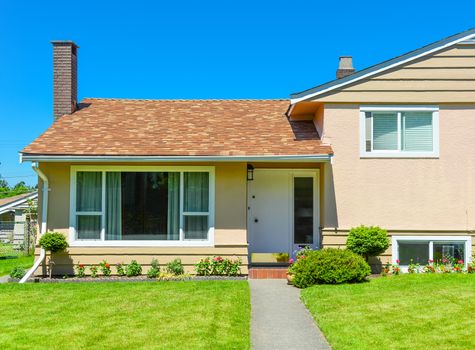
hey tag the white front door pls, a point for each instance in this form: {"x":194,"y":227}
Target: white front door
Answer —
{"x":283,"y":210}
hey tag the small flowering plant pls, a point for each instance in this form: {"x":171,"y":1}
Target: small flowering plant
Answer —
{"x":413,"y":268}
{"x":218,"y":266}
{"x":459,"y":266}
{"x":105,"y":268}
{"x":94,"y":270}
{"x":396,"y":268}
{"x":81,"y":270}
{"x":120,"y":269}
{"x":386,"y":269}
{"x":429,"y":268}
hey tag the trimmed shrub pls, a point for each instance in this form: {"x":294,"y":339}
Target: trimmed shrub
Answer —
{"x":17,"y":272}
{"x":329,"y":266}
{"x":367,"y":241}
{"x":175,"y":267}
{"x":53,"y":242}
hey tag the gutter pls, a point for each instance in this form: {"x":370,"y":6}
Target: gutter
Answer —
{"x":106,"y":158}
{"x":44,"y":218}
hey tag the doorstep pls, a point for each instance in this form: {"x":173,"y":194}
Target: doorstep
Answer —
{"x":268,"y":272}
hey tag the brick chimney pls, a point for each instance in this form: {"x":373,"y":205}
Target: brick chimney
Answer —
{"x":65,"y":81}
{"x":345,"y":67}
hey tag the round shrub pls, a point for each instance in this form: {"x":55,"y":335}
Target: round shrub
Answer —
{"x":367,"y":241}
{"x":329,"y":266}
{"x":18,"y":272}
{"x":53,"y":242}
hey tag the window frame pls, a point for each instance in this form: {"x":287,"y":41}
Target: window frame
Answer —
{"x":74,"y":242}
{"x":399,"y":153}
{"x":467,"y":240}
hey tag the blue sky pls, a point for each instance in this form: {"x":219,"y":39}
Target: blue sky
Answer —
{"x":196,"y":49}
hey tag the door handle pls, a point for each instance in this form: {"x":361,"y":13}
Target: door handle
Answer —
{"x":256,"y":220}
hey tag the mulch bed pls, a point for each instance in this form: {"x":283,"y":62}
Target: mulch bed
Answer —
{"x":60,"y":279}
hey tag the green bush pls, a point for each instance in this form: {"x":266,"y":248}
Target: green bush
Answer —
{"x":154,"y":269}
{"x":175,"y":267}
{"x":17,"y":272}
{"x":134,"y":269}
{"x":53,"y":242}
{"x":329,"y":266}
{"x":367,"y":241}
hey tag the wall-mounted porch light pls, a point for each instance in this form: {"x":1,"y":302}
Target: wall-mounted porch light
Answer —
{"x":250,"y":172}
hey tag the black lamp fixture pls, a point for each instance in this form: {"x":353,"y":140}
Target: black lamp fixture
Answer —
{"x":250,"y":172}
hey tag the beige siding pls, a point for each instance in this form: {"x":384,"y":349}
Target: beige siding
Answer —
{"x":230,"y":223}
{"x":403,"y":194}
{"x":445,"y":77}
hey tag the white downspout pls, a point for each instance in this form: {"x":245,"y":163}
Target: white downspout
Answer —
{"x":44,"y":218}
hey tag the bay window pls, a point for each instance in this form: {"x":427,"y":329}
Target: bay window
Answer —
{"x":395,"y":131}
{"x":118,"y":206}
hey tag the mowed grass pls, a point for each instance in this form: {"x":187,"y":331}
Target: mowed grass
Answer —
{"x":399,"y":312}
{"x":127,"y":315}
{"x":7,"y":265}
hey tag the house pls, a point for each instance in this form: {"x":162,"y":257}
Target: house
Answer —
{"x":14,"y":217}
{"x":390,"y":145}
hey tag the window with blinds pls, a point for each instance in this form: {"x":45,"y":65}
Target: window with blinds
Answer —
{"x":395,"y":131}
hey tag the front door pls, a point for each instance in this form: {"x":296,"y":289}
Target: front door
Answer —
{"x":282,"y":211}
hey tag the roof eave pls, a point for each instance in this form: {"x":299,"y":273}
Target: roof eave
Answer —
{"x":117,"y":158}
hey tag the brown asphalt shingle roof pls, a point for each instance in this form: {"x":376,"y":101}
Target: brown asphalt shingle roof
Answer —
{"x":179,"y":128}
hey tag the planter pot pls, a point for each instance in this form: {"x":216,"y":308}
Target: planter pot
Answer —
{"x":290,"y":279}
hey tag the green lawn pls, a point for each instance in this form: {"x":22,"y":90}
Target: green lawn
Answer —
{"x":6,"y":265}
{"x":400,"y":312}
{"x":127,"y":315}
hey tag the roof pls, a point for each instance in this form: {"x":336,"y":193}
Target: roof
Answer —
{"x":467,"y":36}
{"x":121,"y":127}
{"x":6,"y":204}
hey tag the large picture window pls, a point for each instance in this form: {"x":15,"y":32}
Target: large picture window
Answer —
{"x":172,"y":205}
{"x":399,"y":131}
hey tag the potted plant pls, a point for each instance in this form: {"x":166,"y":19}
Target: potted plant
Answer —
{"x":53,"y":242}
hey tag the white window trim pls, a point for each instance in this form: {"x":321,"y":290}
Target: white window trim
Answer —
{"x":73,"y":242}
{"x":431,"y":239}
{"x":399,"y":154}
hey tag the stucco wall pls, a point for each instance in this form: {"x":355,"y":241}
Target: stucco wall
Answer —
{"x":419,"y":194}
{"x":230,"y":223}
{"x":405,"y":196}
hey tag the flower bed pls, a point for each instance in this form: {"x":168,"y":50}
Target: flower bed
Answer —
{"x":446,"y":265}
{"x":141,"y":278}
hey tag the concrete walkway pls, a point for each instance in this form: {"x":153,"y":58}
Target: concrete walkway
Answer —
{"x":279,"y":320}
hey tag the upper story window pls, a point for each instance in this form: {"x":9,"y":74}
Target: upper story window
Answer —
{"x":399,"y":131}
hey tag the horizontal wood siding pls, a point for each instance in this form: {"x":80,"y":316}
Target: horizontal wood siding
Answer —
{"x":445,"y":77}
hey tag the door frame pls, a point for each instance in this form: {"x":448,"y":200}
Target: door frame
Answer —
{"x":292,"y":173}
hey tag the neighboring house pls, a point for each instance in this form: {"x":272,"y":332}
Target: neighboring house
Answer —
{"x":391,"y":145}
{"x":13,"y":217}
